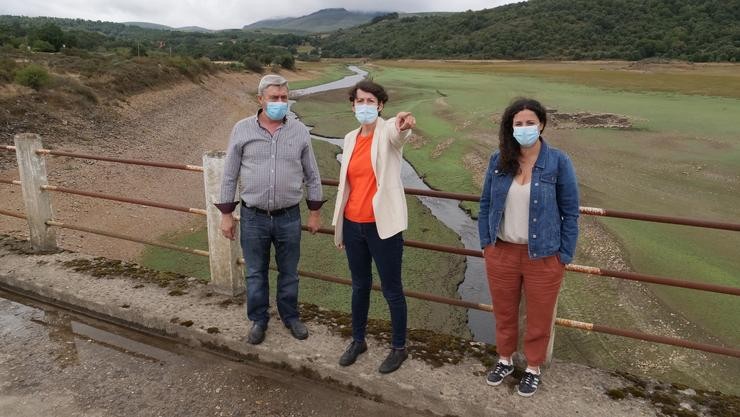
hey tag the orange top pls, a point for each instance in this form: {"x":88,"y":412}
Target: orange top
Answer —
{"x":362,"y":183}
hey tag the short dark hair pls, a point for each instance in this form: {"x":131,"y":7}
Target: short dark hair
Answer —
{"x":371,"y":87}
{"x":508,"y":146}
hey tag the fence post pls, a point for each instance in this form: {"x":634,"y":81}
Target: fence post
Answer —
{"x":519,"y":358}
{"x":32,"y":168}
{"x":226,"y":274}
{"x":551,"y":344}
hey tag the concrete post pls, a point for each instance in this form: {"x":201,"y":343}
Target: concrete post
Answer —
{"x":226,"y":274}
{"x":32,"y":168}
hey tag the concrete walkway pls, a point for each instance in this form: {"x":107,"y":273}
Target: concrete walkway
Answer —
{"x":189,"y":310}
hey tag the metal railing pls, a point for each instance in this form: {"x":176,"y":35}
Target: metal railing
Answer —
{"x":668,"y":281}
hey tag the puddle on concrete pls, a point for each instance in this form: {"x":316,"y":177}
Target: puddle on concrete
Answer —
{"x":70,"y":332}
{"x":53,"y":359}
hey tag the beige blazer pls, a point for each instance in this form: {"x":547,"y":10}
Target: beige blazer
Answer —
{"x":389,"y":202}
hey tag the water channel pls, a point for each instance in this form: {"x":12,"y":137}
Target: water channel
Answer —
{"x":474,"y":287}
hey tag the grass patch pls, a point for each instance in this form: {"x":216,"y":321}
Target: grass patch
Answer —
{"x":705,"y":256}
{"x":317,"y":109}
{"x":628,"y":305}
{"x":179,"y":262}
{"x":719,"y":80}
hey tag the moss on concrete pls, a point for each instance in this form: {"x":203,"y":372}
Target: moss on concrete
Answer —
{"x":677,"y":400}
{"x":20,"y":246}
{"x":111,"y":268}
{"x":434,"y":348}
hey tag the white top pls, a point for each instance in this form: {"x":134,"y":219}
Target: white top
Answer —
{"x":514,"y":226}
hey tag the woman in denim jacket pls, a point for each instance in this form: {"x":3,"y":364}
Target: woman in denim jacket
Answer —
{"x":528,"y":226}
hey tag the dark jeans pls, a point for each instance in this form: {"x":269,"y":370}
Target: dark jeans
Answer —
{"x":363,"y":245}
{"x":258,"y":233}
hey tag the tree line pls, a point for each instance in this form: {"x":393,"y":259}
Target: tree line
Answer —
{"x":691,"y":30}
{"x":255,"y":50}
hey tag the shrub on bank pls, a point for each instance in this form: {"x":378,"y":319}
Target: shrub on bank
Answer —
{"x":252,"y":64}
{"x":77,"y":88}
{"x":192,"y":68}
{"x":99,"y":76}
{"x":33,"y":75}
{"x":7,"y":70}
{"x":42,"y":46}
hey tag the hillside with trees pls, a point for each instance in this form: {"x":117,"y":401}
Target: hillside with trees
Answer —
{"x":79,"y":65}
{"x":45,"y":34}
{"x":706,"y":30}
{"x":147,"y":25}
{"x":325,"y":20}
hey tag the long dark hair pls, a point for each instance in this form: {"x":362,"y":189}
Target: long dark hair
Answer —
{"x":508,"y":161}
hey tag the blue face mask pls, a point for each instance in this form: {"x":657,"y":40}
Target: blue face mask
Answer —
{"x":276,"y":110}
{"x":527,"y":135}
{"x":366,"y":113}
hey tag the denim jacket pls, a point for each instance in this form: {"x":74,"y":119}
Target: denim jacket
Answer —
{"x":553,"y":205}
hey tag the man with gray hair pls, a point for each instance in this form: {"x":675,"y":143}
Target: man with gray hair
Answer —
{"x":271,"y":156}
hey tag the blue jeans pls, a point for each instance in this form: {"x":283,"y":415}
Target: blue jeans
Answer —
{"x":363,"y":245}
{"x":258,"y":232}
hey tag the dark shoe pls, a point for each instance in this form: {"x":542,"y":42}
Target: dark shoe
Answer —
{"x":499,"y":372}
{"x":528,"y":384}
{"x":297,"y":329}
{"x":352,"y":352}
{"x":256,"y":334}
{"x":393,"y":361}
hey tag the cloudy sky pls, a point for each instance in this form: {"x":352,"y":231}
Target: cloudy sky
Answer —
{"x":219,"y":14}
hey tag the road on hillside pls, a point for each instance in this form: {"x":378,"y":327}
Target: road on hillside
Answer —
{"x":55,"y":363}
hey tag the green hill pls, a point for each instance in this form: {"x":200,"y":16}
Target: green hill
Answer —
{"x":325,"y":20}
{"x":84,"y":37}
{"x":705,"y":30}
{"x":147,"y":25}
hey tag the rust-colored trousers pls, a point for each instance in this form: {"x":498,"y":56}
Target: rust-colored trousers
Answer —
{"x":508,"y":267}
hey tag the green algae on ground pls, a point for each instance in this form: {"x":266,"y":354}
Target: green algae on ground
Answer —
{"x":111,"y":268}
{"x":436,"y":349}
{"x":616,"y":394}
{"x":21,"y":246}
{"x":676,"y":400}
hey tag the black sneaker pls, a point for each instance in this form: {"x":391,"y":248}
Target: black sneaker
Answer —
{"x":256,"y":334}
{"x":499,"y":372}
{"x":393,"y":361}
{"x":528,"y":384}
{"x":352,"y":352}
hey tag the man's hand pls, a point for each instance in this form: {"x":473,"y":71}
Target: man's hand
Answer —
{"x":314,"y":221}
{"x":405,"y":121}
{"x":228,"y":226}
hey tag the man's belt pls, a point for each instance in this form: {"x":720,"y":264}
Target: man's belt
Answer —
{"x":272,"y":213}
